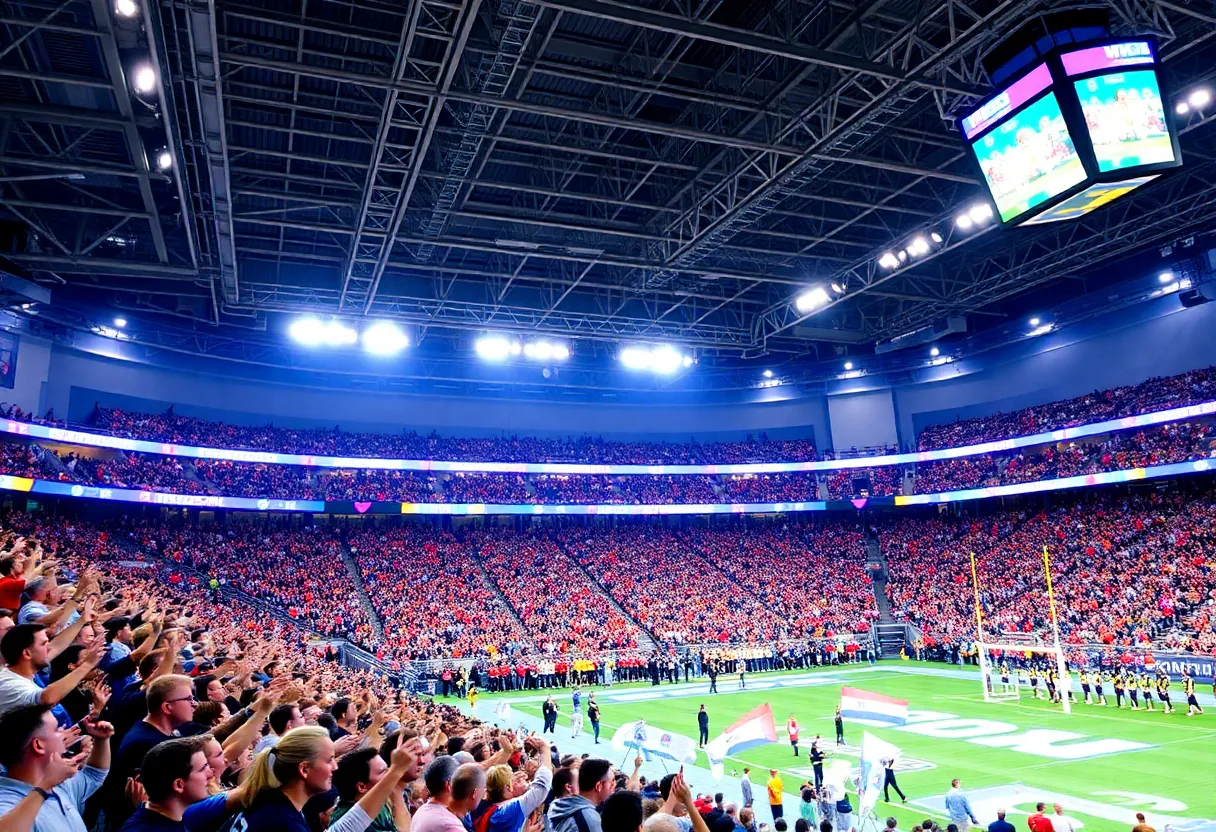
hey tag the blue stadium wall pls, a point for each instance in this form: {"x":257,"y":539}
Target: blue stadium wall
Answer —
{"x":1151,"y":339}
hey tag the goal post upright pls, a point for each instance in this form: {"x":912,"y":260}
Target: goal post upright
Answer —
{"x":1061,"y":669}
{"x":981,"y":652}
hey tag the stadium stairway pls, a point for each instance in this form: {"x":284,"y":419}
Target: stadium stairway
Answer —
{"x":489,"y":584}
{"x":352,"y":569}
{"x":646,"y":639}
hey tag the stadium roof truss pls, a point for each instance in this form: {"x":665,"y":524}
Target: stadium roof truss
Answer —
{"x":591,"y":168}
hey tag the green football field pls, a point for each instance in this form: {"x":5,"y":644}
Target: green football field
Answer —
{"x":1103,"y":764}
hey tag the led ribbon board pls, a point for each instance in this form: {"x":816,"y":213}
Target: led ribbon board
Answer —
{"x":101,"y":440}
{"x":28,"y":485}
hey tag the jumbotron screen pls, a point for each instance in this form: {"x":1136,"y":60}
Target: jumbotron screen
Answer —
{"x":1029,"y":158}
{"x":1125,"y":118}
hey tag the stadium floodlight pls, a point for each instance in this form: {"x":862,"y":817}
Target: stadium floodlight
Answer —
{"x":663,"y":359}
{"x":838,"y":288}
{"x":888,"y":260}
{"x":1182,"y":108}
{"x":164,"y":160}
{"x":903,"y":255}
{"x":980,"y":213}
{"x":143,"y":79}
{"x":768,"y":373}
{"x":1200,"y":98}
{"x":1165,"y":277}
{"x":384,"y":338}
{"x":546,"y":351}
{"x":496,"y":347}
{"x":121,"y":323}
{"x":1034,"y":321}
{"x":812,"y":299}
{"x":964,"y":221}
{"x":918,"y":246}
{"x":848,"y":365}
{"x":1042,"y":330}
{"x":126,"y":8}
{"x":935,"y":237}
{"x":935,"y":352}
{"x":308,"y":331}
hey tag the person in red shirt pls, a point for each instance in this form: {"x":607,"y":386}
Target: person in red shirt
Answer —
{"x":792,"y":727}
{"x":1039,"y":822}
{"x":15,"y":570}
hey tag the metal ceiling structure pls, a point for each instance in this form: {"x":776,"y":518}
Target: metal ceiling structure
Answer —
{"x":669,"y":170}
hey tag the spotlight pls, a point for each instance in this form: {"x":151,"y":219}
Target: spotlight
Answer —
{"x":918,"y":247}
{"x":903,"y":255}
{"x":312,"y":332}
{"x":848,"y":365}
{"x":121,"y":323}
{"x":144,"y":78}
{"x":980,"y":213}
{"x":963,"y":221}
{"x":1182,"y":108}
{"x":1165,"y":277}
{"x":384,"y":338}
{"x":935,"y":352}
{"x":496,"y":347}
{"x":838,"y":288}
{"x":164,"y":160}
{"x":1041,"y":330}
{"x":546,"y":351}
{"x":812,"y":299}
{"x":663,"y":359}
{"x":1200,"y":98}
{"x":126,"y":8}
{"x":768,"y":373}
{"x":1034,"y":321}
{"x":888,"y":260}
{"x":935,"y":237}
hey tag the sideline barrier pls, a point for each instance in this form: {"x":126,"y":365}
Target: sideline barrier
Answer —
{"x":101,"y":440}
{"x":64,"y":489}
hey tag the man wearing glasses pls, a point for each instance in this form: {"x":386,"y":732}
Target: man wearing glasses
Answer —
{"x":171,"y":705}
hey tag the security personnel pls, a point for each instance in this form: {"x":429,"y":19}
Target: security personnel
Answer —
{"x":1085,"y":685}
{"x":1146,"y":688}
{"x":1163,"y":692}
{"x":1120,"y":682}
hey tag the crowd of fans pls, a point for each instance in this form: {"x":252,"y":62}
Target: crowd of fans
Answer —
{"x":1127,"y":569}
{"x":459,"y":614}
{"x":864,"y":482}
{"x":300,"y":571}
{"x":562,"y":609}
{"x":185,"y":430}
{"x":811,"y":576}
{"x":639,"y":565}
{"x":1154,"y":394}
{"x":171,"y":708}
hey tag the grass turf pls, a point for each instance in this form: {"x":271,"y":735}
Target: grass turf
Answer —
{"x":1174,"y":775}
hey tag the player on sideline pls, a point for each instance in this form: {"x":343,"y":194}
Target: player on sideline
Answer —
{"x":1163,"y":692}
{"x":1146,"y":687}
{"x":1085,"y":685}
{"x":1188,"y":687}
{"x":792,"y":727}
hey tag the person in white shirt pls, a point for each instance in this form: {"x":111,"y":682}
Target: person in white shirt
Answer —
{"x":1061,"y":822}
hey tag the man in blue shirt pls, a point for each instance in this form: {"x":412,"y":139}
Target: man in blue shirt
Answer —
{"x":1000,"y":824}
{"x":32,"y":750}
{"x":174,"y":776}
{"x":959,"y":808}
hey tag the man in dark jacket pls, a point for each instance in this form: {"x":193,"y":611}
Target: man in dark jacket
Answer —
{"x":703,"y":726}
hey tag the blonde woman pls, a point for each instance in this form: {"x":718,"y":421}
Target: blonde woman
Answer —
{"x":301,"y":766}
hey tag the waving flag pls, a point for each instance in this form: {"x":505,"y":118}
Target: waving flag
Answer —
{"x":873,"y":707}
{"x":874,"y":752}
{"x":649,"y":740}
{"x":756,"y":727}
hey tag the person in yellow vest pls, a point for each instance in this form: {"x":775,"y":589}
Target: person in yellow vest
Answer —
{"x":472,"y":696}
{"x":1188,"y":688}
{"x":775,"y":794}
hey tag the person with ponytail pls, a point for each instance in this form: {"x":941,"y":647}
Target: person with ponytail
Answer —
{"x":301,"y":766}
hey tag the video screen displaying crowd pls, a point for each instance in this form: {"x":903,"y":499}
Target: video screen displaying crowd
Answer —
{"x":1153,"y":394}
